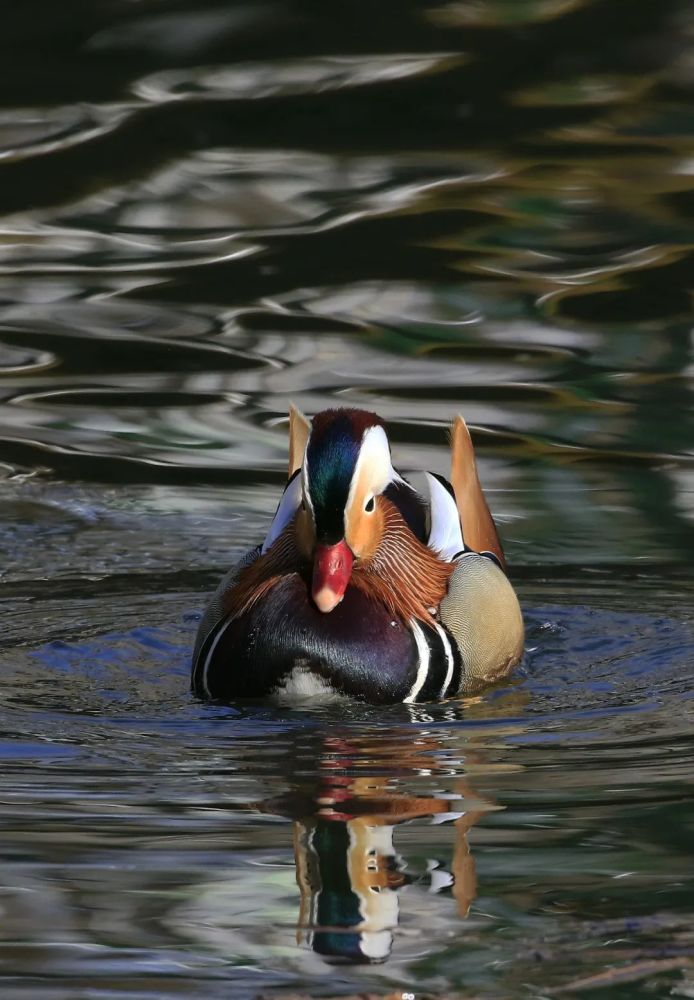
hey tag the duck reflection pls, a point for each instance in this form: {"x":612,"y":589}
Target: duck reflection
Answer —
{"x":349,"y":873}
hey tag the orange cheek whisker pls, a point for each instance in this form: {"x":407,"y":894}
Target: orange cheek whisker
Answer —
{"x":281,"y":559}
{"x":404,"y":574}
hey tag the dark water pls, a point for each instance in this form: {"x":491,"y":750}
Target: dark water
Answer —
{"x":209,"y":211}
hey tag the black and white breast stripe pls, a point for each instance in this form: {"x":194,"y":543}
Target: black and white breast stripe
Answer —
{"x":439,"y":664}
{"x":202,"y":665}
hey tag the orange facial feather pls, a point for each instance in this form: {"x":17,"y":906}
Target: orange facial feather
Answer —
{"x":255,"y":580}
{"x":403,"y":574}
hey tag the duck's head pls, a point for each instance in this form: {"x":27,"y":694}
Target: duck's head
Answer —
{"x":345,"y":470}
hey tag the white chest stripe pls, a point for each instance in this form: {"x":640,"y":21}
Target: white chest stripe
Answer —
{"x":208,"y":658}
{"x":423,"y":668}
{"x":449,"y":660}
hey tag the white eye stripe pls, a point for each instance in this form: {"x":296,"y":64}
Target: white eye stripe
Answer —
{"x":373,"y":464}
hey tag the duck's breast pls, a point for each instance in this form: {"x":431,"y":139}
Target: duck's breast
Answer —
{"x":285,"y":644}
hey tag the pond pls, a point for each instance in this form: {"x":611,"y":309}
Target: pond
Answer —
{"x":208,"y":212}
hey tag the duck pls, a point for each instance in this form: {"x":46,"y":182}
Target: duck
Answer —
{"x":364,"y":587}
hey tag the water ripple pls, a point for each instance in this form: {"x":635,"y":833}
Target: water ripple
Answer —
{"x":209,"y":212}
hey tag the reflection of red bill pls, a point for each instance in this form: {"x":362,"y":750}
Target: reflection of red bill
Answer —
{"x":332,"y":568}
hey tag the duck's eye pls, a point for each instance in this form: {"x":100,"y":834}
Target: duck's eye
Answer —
{"x":370,"y":505}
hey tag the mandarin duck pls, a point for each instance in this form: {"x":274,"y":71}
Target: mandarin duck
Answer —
{"x":364,"y":587}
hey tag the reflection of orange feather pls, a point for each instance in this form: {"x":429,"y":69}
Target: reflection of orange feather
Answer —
{"x":361,"y":784}
{"x":404,"y":575}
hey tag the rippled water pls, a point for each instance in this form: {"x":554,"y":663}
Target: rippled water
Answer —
{"x":209,"y":211}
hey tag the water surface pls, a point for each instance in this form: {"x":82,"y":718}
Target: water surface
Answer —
{"x":209,"y":211}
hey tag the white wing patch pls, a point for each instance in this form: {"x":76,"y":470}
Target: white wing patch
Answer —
{"x":288,"y":506}
{"x":445,"y":534}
